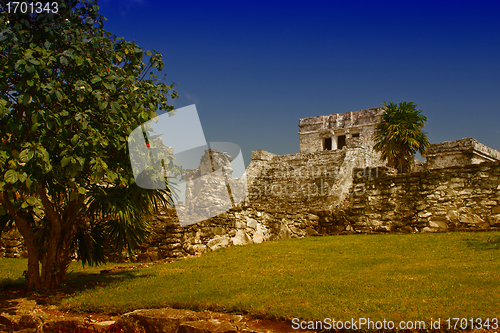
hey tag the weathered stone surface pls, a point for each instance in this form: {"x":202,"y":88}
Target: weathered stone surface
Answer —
{"x":494,"y":220}
{"x":156,"y":320}
{"x":439,"y":225}
{"x":182,"y":321}
{"x":22,"y":314}
{"x":471,"y":207}
{"x":471,"y":218}
{"x":218,"y":242}
{"x":241,"y":238}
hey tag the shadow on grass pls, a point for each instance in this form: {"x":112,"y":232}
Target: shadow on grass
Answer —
{"x":484,"y":243}
{"x":6,"y":283}
{"x":12,"y":289}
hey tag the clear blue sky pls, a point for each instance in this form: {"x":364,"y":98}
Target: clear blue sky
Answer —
{"x":254,"y":68}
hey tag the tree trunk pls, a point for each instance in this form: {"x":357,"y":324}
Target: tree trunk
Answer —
{"x":33,"y":254}
{"x":29,"y":240}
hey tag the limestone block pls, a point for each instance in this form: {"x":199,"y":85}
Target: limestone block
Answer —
{"x":251,"y":223}
{"x":438,"y":224}
{"x":156,"y":320}
{"x":466,"y":191}
{"x":407,"y":229}
{"x":494,"y":220}
{"x":218,"y":242}
{"x":199,"y":249}
{"x":313,"y":217}
{"x":284,"y":232}
{"x":240,"y":225}
{"x":471,"y":219}
{"x":153,"y":255}
{"x":382,"y":228}
{"x":258,"y":237}
{"x":496,"y":210}
{"x":241,"y":238}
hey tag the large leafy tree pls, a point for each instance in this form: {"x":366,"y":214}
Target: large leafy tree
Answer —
{"x":399,"y":135}
{"x":70,"y":93}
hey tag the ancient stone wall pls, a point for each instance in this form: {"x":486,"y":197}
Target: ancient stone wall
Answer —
{"x":12,"y":244}
{"x":453,"y":198}
{"x":288,"y":197}
{"x":459,"y":153}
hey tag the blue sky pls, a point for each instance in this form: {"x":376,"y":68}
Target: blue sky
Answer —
{"x":254,"y":68}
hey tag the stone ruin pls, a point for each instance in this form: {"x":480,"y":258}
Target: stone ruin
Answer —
{"x":337,"y":184}
{"x":336,"y":131}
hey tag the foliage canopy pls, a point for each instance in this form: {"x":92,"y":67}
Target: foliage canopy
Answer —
{"x":399,"y":135}
{"x":69,"y":96}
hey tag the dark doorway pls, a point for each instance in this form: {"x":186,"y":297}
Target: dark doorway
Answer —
{"x":356,"y":135}
{"x":341,"y":142}
{"x":328,"y":144}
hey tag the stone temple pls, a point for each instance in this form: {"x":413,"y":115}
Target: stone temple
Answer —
{"x":336,"y":131}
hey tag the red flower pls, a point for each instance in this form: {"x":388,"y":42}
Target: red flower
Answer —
{"x":147,"y":145}
{"x":107,"y":68}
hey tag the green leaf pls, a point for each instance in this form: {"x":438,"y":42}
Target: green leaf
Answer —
{"x":96,"y":79}
{"x":26,"y":155}
{"x":82,"y":190}
{"x":81,"y":161}
{"x":69,"y":53}
{"x":73,"y":169}
{"x":11,"y":176}
{"x":103,"y":105}
{"x":45,"y":154}
{"x":75,"y":139}
{"x":59,"y":95}
{"x":32,"y":200}
{"x":64,"y":61}
{"x":115,"y":107}
{"x":20,"y":62}
{"x":26,"y":99}
{"x":22,"y":177}
{"x":65,"y":161}
{"x":34,"y":62}
{"x":28,"y":182}
{"x":37,"y":211}
{"x":79,"y":60}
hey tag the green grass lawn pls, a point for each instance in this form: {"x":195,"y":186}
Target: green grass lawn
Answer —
{"x":397,"y":277}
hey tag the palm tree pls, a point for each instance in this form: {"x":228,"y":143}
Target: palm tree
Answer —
{"x":399,"y":135}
